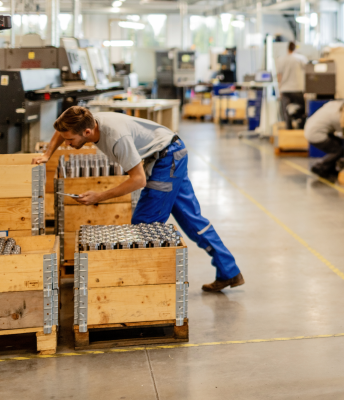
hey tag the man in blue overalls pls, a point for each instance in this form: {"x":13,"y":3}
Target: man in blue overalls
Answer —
{"x":128,"y":141}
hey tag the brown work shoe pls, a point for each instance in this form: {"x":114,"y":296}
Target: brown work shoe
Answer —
{"x":218,"y":285}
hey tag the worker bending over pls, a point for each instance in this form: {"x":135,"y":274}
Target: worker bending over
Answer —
{"x":319,"y":131}
{"x":290,"y":75}
{"x":167,"y":188}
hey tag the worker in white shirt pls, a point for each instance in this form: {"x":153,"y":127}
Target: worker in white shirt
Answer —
{"x":320,"y":131}
{"x":290,"y":75}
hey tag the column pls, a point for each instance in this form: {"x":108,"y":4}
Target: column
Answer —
{"x":13,"y":9}
{"x":304,"y":27}
{"x":76,"y":13}
{"x":52,"y":9}
{"x":183,"y":9}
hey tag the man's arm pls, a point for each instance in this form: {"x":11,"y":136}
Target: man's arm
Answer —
{"x":137,"y":180}
{"x":55,"y":142}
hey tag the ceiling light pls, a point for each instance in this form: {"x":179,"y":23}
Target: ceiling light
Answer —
{"x":1,"y":3}
{"x":131,"y":25}
{"x":238,"y":24}
{"x":118,"y":43}
{"x":302,"y":19}
{"x":116,"y":4}
{"x":134,"y":18}
{"x":115,"y":10}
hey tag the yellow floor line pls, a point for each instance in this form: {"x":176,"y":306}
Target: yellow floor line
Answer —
{"x":297,"y":167}
{"x":309,"y":173}
{"x":273,"y":217}
{"x":171,"y":346}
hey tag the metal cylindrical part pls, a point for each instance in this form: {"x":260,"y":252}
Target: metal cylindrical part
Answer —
{"x":118,"y":170}
{"x":16,"y":249}
{"x":2,"y":244}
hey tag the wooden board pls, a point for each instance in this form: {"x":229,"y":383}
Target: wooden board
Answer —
{"x":49,"y":206}
{"x":47,"y":343}
{"x":17,"y":159}
{"x":49,"y":184}
{"x":173,"y":334}
{"x":69,"y":246}
{"x":21,"y":310}
{"x":131,"y":304}
{"x":22,"y":272}
{"x":102,"y":214}
{"x":100,"y":184}
{"x":131,"y":267}
{"x":36,"y":243}
{"x":293,"y":139}
{"x":15,"y":214}
{"x":16,"y":181}
{"x":26,"y":232}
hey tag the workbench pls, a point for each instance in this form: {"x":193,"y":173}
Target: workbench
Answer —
{"x":163,"y":112}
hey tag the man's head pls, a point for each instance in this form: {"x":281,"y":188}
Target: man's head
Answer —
{"x":76,"y":125}
{"x":291,"y":47}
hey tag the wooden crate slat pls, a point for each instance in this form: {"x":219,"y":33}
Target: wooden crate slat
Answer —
{"x":21,"y":273}
{"x":21,"y":309}
{"x":15,"y":214}
{"x":100,"y":184}
{"x":16,"y":181}
{"x":131,"y":304}
{"x":292,"y":139}
{"x":146,"y":267}
{"x":102,"y":214}
{"x":49,"y":206}
{"x":17,"y":159}
{"x":36,"y":243}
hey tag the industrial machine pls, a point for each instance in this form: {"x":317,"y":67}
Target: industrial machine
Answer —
{"x":20,"y":107}
{"x":5,"y":22}
{"x":175,"y":69}
{"x":227,"y":63}
{"x":184,"y":72}
{"x":321,"y":79}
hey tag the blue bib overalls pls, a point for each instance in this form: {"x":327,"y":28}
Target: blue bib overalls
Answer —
{"x":169,"y":190}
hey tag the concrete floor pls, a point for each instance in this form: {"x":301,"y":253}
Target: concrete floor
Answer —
{"x":285,"y":230}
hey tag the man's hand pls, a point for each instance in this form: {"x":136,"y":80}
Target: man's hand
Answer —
{"x":89,"y":198}
{"x":41,"y":159}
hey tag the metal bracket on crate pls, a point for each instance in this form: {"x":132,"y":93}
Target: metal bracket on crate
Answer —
{"x":50,"y":291}
{"x":60,"y":216}
{"x":38,"y":181}
{"x":182,"y":286}
{"x":181,"y":302}
{"x":182,"y":265}
{"x":76,"y":305}
{"x":80,"y":290}
{"x":37,"y":216}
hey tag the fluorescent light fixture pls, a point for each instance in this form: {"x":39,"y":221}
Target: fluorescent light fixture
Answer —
{"x":238,"y":24}
{"x":225,"y":21}
{"x":302,"y":19}
{"x":116,"y":4}
{"x":131,"y":25}
{"x":1,"y":3}
{"x":135,"y":18}
{"x":115,"y":10}
{"x":313,"y":20}
{"x":118,"y":43}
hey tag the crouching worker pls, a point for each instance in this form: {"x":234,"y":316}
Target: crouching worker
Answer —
{"x":320,"y":131}
{"x":167,"y":188}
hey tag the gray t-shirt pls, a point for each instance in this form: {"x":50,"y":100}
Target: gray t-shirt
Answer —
{"x":324,"y":121}
{"x":128,"y":140}
{"x":291,"y":67}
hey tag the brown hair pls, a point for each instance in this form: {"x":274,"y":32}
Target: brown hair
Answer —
{"x":75,"y":119}
{"x":291,"y":46}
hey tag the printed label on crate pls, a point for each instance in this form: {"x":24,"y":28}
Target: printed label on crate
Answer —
{"x":4,"y":80}
{"x":3,"y":233}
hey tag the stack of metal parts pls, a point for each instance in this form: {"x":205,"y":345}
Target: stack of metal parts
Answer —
{"x":8,"y":246}
{"x":111,"y":237}
{"x":86,"y":165}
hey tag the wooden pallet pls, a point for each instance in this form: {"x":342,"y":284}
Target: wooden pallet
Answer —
{"x":290,"y":153}
{"x":46,"y":343}
{"x":130,"y":334}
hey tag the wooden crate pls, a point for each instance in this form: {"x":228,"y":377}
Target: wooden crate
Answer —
{"x":291,"y":142}
{"x":22,"y":202}
{"x":29,"y":291}
{"x":197,"y":110}
{"x":70,"y":214}
{"x":51,"y":166}
{"x":130,"y":289}
{"x":225,"y":103}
